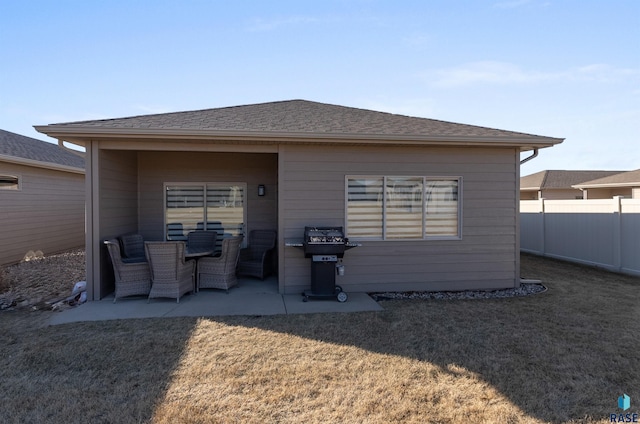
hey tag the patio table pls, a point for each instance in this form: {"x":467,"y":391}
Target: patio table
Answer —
{"x":195,"y":254}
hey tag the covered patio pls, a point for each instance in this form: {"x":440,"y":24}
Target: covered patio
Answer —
{"x":164,"y":195}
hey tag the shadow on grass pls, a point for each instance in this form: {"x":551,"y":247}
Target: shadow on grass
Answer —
{"x":98,"y":372}
{"x":563,"y":355}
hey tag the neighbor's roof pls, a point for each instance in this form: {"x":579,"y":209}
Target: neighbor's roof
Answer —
{"x":623,"y":179}
{"x":293,"y":120}
{"x":30,"y":151}
{"x":557,"y":179}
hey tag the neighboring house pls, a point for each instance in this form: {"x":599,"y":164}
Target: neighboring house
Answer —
{"x":557,"y":184}
{"x":42,"y":201}
{"x":434,"y":204}
{"x":625,"y":184}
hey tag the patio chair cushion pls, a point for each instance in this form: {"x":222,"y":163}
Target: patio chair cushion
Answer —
{"x":200,"y":239}
{"x":132,"y":248}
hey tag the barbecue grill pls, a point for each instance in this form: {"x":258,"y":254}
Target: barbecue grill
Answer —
{"x":324,"y":241}
{"x":324,"y":246}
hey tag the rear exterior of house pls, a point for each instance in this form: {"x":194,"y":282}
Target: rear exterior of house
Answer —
{"x":434,"y":205}
{"x":42,"y":195}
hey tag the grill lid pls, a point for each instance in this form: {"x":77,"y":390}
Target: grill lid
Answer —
{"x":324,"y":235}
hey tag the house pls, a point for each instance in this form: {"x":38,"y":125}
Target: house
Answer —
{"x":433,"y":204}
{"x":557,"y":184}
{"x":41,"y":198}
{"x":625,"y":184}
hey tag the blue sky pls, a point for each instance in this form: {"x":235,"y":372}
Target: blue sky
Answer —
{"x":560,"y":68}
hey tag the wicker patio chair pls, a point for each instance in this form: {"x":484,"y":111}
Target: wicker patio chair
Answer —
{"x":220,"y":272}
{"x":131,"y":278}
{"x":202,"y":240}
{"x":171,"y":275}
{"x":257,"y":259}
{"x":132,"y":248}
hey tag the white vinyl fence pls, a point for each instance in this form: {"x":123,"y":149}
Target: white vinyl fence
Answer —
{"x":600,"y":232}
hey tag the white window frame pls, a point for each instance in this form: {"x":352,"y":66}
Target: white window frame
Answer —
{"x":18,"y":184}
{"x":425,"y":180}
{"x":205,"y":185}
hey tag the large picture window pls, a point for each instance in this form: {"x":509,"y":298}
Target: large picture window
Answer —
{"x":403,"y":208}
{"x":218,"y":207}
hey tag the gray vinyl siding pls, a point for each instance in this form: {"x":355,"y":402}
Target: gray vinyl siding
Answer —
{"x":118,"y":193}
{"x":312,"y":190}
{"x":46,"y":214}
{"x":118,"y":205}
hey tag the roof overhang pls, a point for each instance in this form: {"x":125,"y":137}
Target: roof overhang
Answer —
{"x":81,"y":135}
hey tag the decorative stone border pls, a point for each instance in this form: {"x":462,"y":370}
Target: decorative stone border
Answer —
{"x":527,"y":287}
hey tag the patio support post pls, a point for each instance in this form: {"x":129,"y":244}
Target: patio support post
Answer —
{"x":282,"y":275}
{"x":92,"y":243}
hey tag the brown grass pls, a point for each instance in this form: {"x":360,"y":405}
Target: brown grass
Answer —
{"x":561,"y":356}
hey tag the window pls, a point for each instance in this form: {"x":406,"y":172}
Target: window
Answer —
{"x":9,"y":182}
{"x":216,"y":207}
{"x":403,"y":208}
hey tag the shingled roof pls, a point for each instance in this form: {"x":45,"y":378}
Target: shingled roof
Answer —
{"x":20,"y":147}
{"x":557,"y":179}
{"x":629,"y":178}
{"x":293,"y":118}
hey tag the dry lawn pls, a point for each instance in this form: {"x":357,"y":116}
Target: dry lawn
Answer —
{"x":561,"y":356}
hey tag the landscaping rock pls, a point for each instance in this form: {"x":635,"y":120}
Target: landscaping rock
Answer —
{"x":525,"y":289}
{"x":32,"y":283}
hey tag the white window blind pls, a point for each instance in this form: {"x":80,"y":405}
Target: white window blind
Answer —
{"x":9,"y":182}
{"x":216,"y":207}
{"x":441,"y":207}
{"x":404,"y":219}
{"x":364,"y":207}
{"x":402,"y":207}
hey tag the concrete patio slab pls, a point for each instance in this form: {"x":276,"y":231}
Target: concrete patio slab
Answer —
{"x":357,"y":302}
{"x":251,"y":297}
{"x":211,"y":303}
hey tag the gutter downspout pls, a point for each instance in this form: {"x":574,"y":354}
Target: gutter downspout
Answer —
{"x":518,"y":280}
{"x":533,"y":155}
{"x":77,"y":152}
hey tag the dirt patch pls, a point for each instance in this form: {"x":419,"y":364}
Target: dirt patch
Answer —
{"x":37,"y":283}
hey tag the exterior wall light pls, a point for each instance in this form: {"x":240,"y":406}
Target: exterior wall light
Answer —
{"x":261,"y":190}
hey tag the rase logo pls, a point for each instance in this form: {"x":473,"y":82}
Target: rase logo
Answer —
{"x":624,"y":403}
